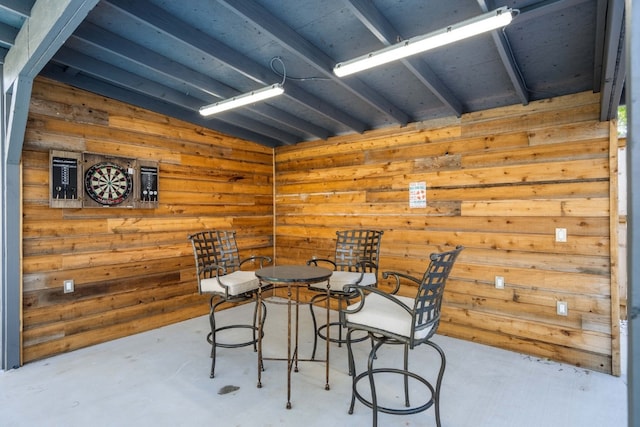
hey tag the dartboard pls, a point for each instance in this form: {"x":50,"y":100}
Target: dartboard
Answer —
{"x":107,"y":183}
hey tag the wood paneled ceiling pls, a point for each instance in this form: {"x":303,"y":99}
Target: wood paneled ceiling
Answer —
{"x":172,"y":57}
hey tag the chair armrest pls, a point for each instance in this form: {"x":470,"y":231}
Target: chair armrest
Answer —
{"x":315,"y":262}
{"x":220,"y":270}
{"x":363,"y":291}
{"x":372,"y":266}
{"x":207,"y":271}
{"x":261,"y":258}
{"x":399,"y":276}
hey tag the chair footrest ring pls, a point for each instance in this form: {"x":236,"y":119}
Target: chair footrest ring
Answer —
{"x":336,"y":340}
{"x":234,"y":345}
{"x":396,"y":411}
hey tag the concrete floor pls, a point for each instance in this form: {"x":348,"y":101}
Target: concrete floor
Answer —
{"x":161,"y":378}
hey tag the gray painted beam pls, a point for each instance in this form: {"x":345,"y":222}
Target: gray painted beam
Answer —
{"x":18,"y":8}
{"x":138,"y":84}
{"x":14,"y":119}
{"x":159,"y":19}
{"x":614,"y":68}
{"x":314,"y":57}
{"x":175,"y":103}
{"x":49,"y":25}
{"x":103,"y":88}
{"x":509,"y":62}
{"x":7,"y":35}
{"x":378,"y":24}
{"x":633,"y":209}
{"x":207,"y":89}
{"x":598,"y":50}
{"x":48,"y":28}
{"x":11,"y":289}
{"x":545,"y":7}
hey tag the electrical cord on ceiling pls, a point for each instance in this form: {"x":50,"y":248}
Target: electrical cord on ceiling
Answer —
{"x":283,"y":73}
{"x":284,"y":69}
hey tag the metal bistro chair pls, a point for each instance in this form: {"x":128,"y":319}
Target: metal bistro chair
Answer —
{"x":392,"y":319}
{"x":218,"y":271}
{"x":356,"y":263}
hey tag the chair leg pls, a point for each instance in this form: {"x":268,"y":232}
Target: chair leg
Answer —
{"x":372,"y":384}
{"x":340,"y":304}
{"x":352,"y":371}
{"x":439,"y":380}
{"x":212,"y":336}
{"x":406,"y":377}
{"x":315,"y":323}
{"x":212,"y":322}
{"x":377,"y":342}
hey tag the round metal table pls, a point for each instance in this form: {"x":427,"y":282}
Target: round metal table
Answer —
{"x":291,"y":278}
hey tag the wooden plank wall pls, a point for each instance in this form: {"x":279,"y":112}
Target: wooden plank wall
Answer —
{"x":133,"y":269}
{"x":499,"y":182}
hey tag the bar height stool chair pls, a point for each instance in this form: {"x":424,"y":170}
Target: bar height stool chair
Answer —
{"x":355,"y":263}
{"x":388,"y":318}
{"x":218,"y":270}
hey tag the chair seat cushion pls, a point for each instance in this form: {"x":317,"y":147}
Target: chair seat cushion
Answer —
{"x":238,"y":283}
{"x":380,"y":313}
{"x":339,"y":279}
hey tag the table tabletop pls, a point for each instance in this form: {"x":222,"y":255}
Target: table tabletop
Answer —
{"x":294,"y":273}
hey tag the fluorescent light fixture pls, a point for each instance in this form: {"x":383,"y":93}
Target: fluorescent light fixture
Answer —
{"x":244,"y":99}
{"x":462,"y":30}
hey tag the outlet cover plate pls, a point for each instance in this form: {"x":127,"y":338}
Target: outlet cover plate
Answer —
{"x":561,"y":308}
{"x":68,"y":286}
{"x":499,"y":282}
{"x":561,"y":235}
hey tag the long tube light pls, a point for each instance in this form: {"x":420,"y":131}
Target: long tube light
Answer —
{"x":244,"y":99}
{"x":453,"y":33}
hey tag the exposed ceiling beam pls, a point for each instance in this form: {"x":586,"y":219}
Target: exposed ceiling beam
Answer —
{"x":199,"y":85}
{"x":506,"y":55}
{"x":545,"y":7}
{"x":151,"y":89}
{"x":7,"y":35}
{"x":48,"y":27}
{"x":614,"y":67}
{"x":598,"y":51}
{"x":314,"y":56}
{"x":162,"y":21}
{"x":16,"y":7}
{"x":58,"y":73}
{"x":378,"y":24}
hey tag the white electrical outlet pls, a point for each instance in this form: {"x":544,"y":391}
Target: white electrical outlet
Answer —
{"x":561,"y":308}
{"x":499,"y":282}
{"x":561,"y":235}
{"x":68,"y":286}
